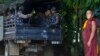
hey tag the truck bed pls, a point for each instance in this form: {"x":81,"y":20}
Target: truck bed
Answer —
{"x":33,"y":33}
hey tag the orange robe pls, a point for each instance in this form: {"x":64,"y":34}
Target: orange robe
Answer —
{"x":92,"y":50}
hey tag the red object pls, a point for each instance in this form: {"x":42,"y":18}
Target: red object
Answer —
{"x":92,"y":50}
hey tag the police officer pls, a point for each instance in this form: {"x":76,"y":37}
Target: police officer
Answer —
{"x":54,"y":20}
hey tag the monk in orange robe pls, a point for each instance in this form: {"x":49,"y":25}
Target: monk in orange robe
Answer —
{"x":89,"y":35}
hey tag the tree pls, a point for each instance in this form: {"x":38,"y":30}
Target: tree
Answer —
{"x":74,"y":16}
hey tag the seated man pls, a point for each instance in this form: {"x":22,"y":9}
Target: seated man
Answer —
{"x":22,"y":18}
{"x":48,"y":19}
{"x":42,"y":19}
{"x":54,"y":19}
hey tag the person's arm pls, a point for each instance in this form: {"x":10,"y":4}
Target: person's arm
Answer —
{"x":93,"y":29}
{"x":24,"y":16}
{"x":57,"y":19}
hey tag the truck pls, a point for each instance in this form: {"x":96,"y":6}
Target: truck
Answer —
{"x":27,"y":40}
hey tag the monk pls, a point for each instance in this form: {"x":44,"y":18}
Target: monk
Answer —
{"x":89,"y":35}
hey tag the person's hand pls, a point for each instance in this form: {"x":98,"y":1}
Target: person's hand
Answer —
{"x":89,"y":43}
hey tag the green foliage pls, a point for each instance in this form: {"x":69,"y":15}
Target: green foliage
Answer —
{"x":73,"y":12}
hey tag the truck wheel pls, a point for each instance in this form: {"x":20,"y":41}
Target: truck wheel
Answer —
{"x":11,"y":49}
{"x":6,"y":50}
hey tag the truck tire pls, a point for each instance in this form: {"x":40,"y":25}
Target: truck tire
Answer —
{"x":11,"y":49}
{"x":6,"y":53}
